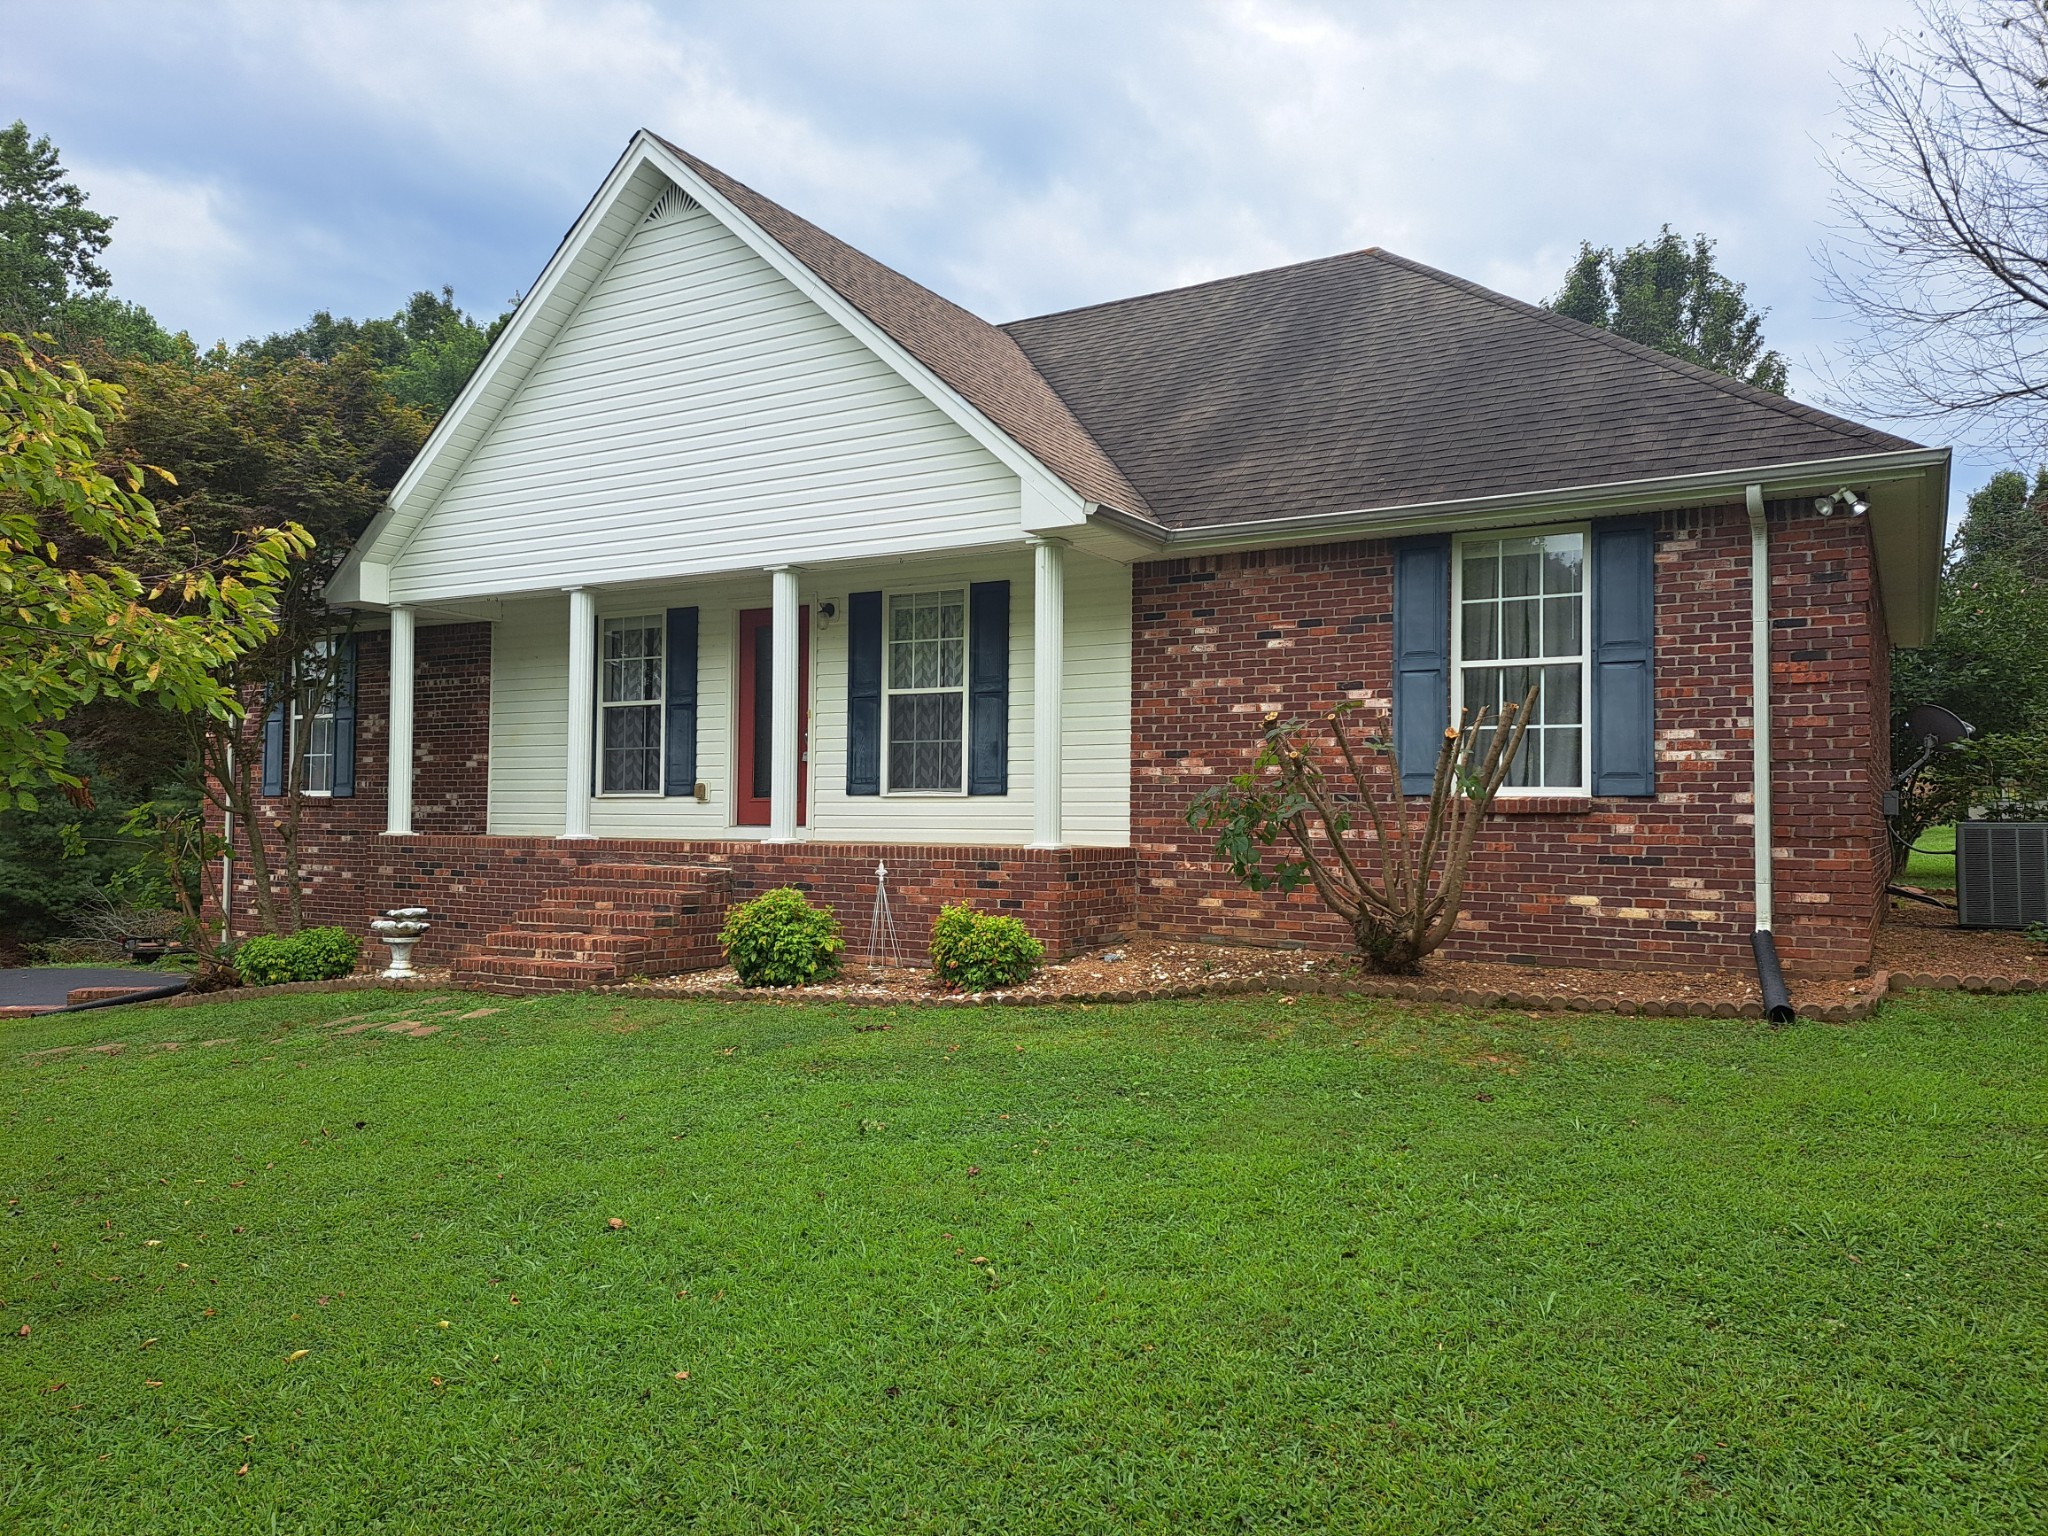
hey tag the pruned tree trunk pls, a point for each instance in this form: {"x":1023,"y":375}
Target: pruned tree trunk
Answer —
{"x":1394,"y":877}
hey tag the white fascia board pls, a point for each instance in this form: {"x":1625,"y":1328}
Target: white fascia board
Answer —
{"x":1909,"y":495}
{"x":526,"y":337}
{"x":1779,"y":480}
{"x":1050,"y":490}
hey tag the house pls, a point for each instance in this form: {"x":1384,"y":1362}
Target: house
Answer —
{"x":744,"y":560}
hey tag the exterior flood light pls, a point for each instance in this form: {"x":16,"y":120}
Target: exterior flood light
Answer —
{"x":1825,"y":505}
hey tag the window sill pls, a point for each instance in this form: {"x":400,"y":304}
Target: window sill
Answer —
{"x":1542,"y":805}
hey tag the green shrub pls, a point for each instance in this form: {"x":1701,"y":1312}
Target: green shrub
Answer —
{"x":978,"y":951}
{"x":312,"y":954}
{"x":780,"y":940}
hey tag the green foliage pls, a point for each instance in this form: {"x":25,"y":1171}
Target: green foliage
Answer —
{"x":422,"y":355}
{"x":980,"y":951}
{"x":1669,"y":295}
{"x":1688,"y":1275}
{"x":50,"y":241}
{"x":1988,"y":662}
{"x":780,"y":940}
{"x":81,"y":627}
{"x":312,"y":954}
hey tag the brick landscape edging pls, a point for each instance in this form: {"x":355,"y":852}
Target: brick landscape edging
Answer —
{"x":1393,"y":991}
{"x":1950,"y":981}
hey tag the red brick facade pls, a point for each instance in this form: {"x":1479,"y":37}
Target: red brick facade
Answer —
{"x":1218,"y":641}
{"x":1662,"y":881}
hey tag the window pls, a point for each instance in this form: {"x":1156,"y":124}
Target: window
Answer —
{"x":1520,"y":606}
{"x":630,"y":691}
{"x":316,"y":773}
{"x":926,"y":680}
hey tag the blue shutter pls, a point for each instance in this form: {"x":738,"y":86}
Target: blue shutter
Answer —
{"x":344,"y":717}
{"x":1624,"y":632}
{"x":864,"y":693}
{"x":274,"y":750}
{"x":679,"y":776}
{"x":988,"y":688}
{"x":1422,"y":657}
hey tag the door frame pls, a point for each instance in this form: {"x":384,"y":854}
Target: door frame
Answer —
{"x":750,"y":809}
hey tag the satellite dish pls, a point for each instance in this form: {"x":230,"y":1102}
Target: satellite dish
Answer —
{"x":1931,"y":726}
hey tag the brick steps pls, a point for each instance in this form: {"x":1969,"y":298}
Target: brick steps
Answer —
{"x":613,"y":923}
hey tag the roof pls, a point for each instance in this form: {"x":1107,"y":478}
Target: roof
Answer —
{"x":976,"y":359}
{"x":1367,"y":380}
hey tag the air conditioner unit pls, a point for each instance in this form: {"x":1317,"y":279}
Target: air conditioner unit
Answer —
{"x":2001,"y":873}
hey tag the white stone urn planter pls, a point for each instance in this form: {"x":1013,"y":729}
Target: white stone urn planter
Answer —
{"x":400,"y":929}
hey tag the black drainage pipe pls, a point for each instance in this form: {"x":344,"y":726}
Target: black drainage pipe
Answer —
{"x":1777,"y":1001}
{"x":128,"y":997}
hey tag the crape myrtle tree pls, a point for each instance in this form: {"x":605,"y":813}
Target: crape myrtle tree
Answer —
{"x":1308,"y":812}
{"x":1668,"y":294}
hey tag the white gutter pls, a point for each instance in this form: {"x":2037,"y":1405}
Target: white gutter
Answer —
{"x":1491,"y":511}
{"x":1760,"y":697}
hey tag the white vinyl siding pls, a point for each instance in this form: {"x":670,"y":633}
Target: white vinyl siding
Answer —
{"x":529,"y":705}
{"x":699,"y":413}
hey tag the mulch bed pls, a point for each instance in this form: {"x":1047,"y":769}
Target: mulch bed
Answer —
{"x":1152,"y":970}
{"x":1922,"y":947}
{"x":1918,"y":947}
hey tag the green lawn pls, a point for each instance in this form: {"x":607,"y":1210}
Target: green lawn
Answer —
{"x":1932,"y":863}
{"x":1251,"y":1266}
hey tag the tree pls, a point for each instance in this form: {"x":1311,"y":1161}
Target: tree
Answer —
{"x":1669,"y":295}
{"x":50,"y":242}
{"x":424,"y":354}
{"x":1395,"y":881}
{"x":286,"y":438}
{"x":1942,"y":246}
{"x":1988,"y":662}
{"x":79,"y":625}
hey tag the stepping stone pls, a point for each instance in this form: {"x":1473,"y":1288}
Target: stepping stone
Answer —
{"x":357,"y":1029}
{"x":400,"y":1026}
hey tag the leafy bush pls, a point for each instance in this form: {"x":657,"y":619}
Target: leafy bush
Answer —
{"x":780,"y":940}
{"x":312,"y":954}
{"x":978,"y":951}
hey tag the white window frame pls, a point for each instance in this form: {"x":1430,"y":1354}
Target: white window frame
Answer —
{"x":322,"y":658}
{"x":657,"y":621}
{"x":1581,"y":790}
{"x":889,"y":692}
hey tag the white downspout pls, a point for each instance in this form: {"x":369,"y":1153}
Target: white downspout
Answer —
{"x":1760,"y":698}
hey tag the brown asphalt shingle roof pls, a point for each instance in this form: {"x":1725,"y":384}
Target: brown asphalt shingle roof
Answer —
{"x":1353,"y":382}
{"x":1367,"y":380}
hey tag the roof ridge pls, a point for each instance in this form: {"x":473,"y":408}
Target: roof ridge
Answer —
{"x":1207,"y":282}
{"x":1728,"y":384}
{"x":982,"y":388}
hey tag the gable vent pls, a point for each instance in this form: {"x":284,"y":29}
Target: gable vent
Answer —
{"x":673,"y":203}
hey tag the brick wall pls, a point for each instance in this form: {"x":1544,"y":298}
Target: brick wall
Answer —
{"x":1218,"y":641}
{"x":1664,"y":881}
{"x":1071,"y":898}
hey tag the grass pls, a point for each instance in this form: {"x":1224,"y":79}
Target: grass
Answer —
{"x":1932,"y":863}
{"x":1249,"y":1266}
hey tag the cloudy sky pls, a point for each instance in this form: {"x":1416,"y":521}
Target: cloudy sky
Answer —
{"x":266,"y":159}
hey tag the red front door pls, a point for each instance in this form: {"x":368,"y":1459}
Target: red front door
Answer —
{"x":755,"y":725}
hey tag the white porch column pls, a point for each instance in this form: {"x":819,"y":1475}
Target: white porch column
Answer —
{"x":784,"y":727}
{"x":1048,"y":676}
{"x":398,"y":781}
{"x":576,"y":787}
